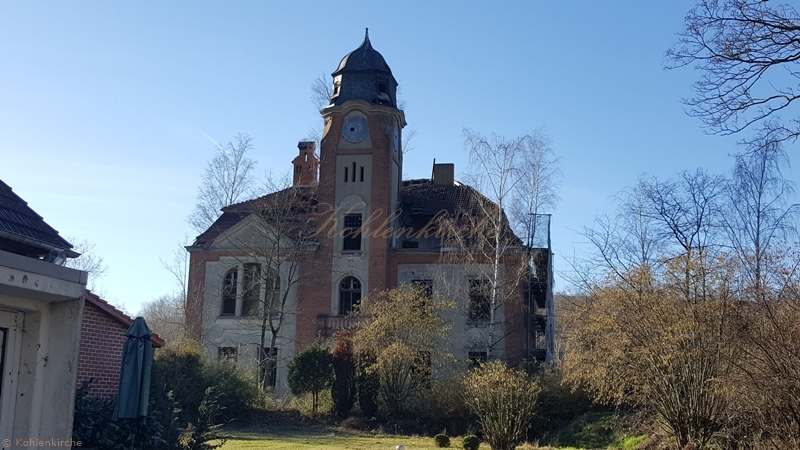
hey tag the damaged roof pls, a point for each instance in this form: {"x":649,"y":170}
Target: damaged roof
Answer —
{"x":420,"y":200}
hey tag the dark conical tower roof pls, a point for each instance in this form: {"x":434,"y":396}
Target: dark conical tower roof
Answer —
{"x":364,"y":75}
{"x":363,"y":58}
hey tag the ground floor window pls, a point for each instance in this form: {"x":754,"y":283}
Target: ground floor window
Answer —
{"x":477,"y":358}
{"x":268,"y":370}
{"x":227,"y":354}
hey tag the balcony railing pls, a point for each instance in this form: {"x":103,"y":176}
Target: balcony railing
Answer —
{"x":328,"y":325}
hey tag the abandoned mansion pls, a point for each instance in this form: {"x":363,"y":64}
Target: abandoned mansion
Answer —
{"x":275,"y":273}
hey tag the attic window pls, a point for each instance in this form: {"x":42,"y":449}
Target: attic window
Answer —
{"x":335,"y":89}
{"x":417,"y":209}
{"x":382,"y":85}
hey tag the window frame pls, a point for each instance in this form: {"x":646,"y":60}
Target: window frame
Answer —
{"x":244,"y":301}
{"x":352,"y":233}
{"x":347,"y":294}
{"x":228,"y":354}
{"x":480,"y":304}
{"x":230,"y":292}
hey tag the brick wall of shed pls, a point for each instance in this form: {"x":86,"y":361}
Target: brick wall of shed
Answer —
{"x":101,"y":351}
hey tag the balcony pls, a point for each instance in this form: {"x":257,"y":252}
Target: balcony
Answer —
{"x":328,"y":325}
{"x":539,"y":322}
{"x":537,"y":294}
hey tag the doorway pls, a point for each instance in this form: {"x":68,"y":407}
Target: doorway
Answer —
{"x":10,"y":331}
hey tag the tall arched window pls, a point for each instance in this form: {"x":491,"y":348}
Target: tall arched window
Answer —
{"x":229,"y":292}
{"x":349,"y":295}
{"x":251,"y":289}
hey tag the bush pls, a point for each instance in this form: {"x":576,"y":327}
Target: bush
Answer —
{"x":559,"y":403}
{"x":471,"y":442}
{"x":504,"y":400}
{"x":343,"y":389}
{"x":592,"y":430}
{"x":441,"y":440}
{"x":187,"y":372}
{"x":204,"y":432}
{"x":92,"y":424}
{"x":236,"y":389}
{"x":446,"y":409}
{"x":368,"y":387}
{"x":311,"y":371}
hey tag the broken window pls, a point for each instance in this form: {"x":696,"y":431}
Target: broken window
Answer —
{"x":268,"y":370}
{"x":227,"y":354}
{"x":251,"y":289}
{"x":229,"y":292}
{"x":479,"y":303}
{"x":477,"y":358}
{"x":351,"y":233}
{"x":349,"y":295}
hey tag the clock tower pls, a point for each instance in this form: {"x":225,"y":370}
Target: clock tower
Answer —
{"x":360,"y":174}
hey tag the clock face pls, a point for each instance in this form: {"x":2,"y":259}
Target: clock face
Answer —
{"x":355,"y":129}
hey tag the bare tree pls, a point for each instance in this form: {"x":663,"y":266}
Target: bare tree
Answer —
{"x":227,"y":179}
{"x":179,"y":269}
{"x":740,"y":46}
{"x":165,"y":316}
{"x":89,"y":261}
{"x":502,"y":170}
{"x":759,"y":217}
{"x":538,"y":186}
{"x":320,"y":93}
{"x":653,"y":329}
{"x":273,"y":247}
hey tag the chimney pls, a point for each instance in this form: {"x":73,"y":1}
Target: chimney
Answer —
{"x":444,"y":173}
{"x":305,"y":164}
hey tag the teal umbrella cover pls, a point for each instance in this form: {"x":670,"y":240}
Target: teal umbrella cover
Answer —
{"x":133,"y":393}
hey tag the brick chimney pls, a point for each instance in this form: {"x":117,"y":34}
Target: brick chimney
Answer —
{"x":443,"y":173}
{"x":306,"y":164}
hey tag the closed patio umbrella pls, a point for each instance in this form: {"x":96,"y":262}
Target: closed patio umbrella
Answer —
{"x":133,"y":393}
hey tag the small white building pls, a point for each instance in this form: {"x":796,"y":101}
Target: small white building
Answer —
{"x":41,"y":304}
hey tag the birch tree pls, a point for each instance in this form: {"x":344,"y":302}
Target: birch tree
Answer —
{"x":229,"y":178}
{"x":518,"y":175}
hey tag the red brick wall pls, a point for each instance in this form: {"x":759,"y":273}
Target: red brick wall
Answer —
{"x":101,"y":351}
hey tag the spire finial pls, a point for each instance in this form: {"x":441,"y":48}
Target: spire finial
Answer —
{"x":366,"y":34}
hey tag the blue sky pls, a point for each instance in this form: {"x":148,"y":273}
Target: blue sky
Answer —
{"x":108,"y":110}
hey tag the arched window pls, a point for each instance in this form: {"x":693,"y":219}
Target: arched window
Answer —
{"x":349,"y":295}
{"x":251,"y":289}
{"x":229,"y":292}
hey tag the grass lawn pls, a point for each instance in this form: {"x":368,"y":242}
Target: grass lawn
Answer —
{"x":343,"y":441}
{"x":331,"y":441}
